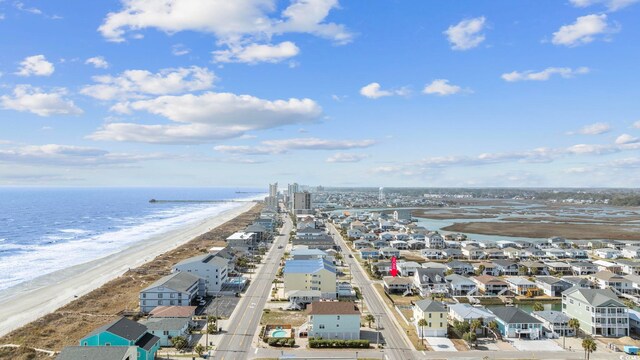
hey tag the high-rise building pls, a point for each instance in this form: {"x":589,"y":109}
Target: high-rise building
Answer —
{"x":291,"y":189}
{"x":273,"y":190}
{"x":381,"y":197}
{"x":301,"y":203}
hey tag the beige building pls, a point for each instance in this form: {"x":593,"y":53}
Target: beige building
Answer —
{"x":311,"y":274}
{"x":435,"y":314}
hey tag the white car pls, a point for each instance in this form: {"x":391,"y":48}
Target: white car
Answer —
{"x":202,"y":302}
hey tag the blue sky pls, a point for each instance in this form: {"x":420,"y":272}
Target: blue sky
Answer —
{"x":370,"y":93}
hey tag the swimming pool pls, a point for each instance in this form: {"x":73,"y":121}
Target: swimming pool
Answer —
{"x":279,"y":333}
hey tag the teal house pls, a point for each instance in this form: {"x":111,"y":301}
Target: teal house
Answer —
{"x":124,"y":332}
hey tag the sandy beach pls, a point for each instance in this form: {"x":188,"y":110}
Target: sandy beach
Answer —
{"x":27,"y":302}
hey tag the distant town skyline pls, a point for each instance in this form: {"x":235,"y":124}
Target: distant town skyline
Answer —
{"x":386,"y":93}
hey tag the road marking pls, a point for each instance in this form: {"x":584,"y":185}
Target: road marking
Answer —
{"x":255,"y":352}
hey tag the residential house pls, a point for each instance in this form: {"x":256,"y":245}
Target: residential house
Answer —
{"x":384,"y":267}
{"x":521,"y":285}
{"x":435,"y":314}
{"x":485,"y":268}
{"x":607,"y":279}
{"x":396,"y":284}
{"x":213,"y":269}
{"x":555,"y":321}
{"x":558,"y":267}
{"x":468,"y":313}
{"x":490,"y":285}
{"x":472,"y":252}
{"x":334,"y":320}
{"x":183,"y":312}
{"x":552,"y":286}
{"x":608,"y":253}
{"x":389,"y":252}
{"x":629,"y":267}
{"x":434,"y":241}
{"x":452,"y":253}
{"x":604,"y":265}
{"x":244,"y":241}
{"x":260,"y":232}
{"x":460,"y":267}
{"x":379,"y":244}
{"x":322,"y":242}
{"x":362,"y":244}
{"x":580,"y":282}
{"x":179,"y":288}
{"x":583,"y":268}
{"x":432,"y":254}
{"x":301,"y":298}
{"x":460,"y":285}
{"x":515,"y":323}
{"x":407,"y":268}
{"x":98,"y":353}
{"x":369,"y":253}
{"x":124,"y":332}
{"x":304,"y":253}
{"x":534,"y":268}
{"x":430,"y":281}
{"x":416,"y":244}
{"x":599,"y":311}
{"x":354,"y":234}
{"x":506,"y":267}
{"x":168,"y":328}
{"x":399,"y":244}
{"x":494,"y":254}
{"x":632,"y":252}
{"x":312,"y":274}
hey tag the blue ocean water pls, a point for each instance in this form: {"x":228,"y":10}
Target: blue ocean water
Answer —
{"x":47,"y":229}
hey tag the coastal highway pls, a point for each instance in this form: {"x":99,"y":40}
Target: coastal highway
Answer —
{"x":236,"y":343}
{"x":397,"y":345}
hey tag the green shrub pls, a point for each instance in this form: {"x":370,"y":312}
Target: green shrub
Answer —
{"x":337,"y":343}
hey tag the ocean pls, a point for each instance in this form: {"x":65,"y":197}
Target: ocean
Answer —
{"x":43,"y":230}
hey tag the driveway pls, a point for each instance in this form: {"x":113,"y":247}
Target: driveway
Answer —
{"x":440,"y":344}
{"x":535,"y":345}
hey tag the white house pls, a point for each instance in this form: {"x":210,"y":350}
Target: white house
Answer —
{"x":334,"y":320}
{"x":178,"y":289}
{"x":211,"y":268}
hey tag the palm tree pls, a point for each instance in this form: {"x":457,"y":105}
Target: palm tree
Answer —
{"x":179,"y":342}
{"x":538,"y":307}
{"x":370,"y":319}
{"x":470,"y":338}
{"x":493,"y":326}
{"x":480,"y":270}
{"x":589,"y":346}
{"x":422,"y":323}
{"x":199,"y":349}
{"x":475,"y":325}
{"x":575,"y":325}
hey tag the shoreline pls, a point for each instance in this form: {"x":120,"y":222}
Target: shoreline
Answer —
{"x":29,"y":301}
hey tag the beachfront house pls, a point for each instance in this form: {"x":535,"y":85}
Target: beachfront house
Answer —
{"x":124,"y":332}
{"x":311,"y":274}
{"x":515,"y":323}
{"x":168,"y":328}
{"x":334,"y":320}
{"x":213,"y":269}
{"x":98,"y":352}
{"x":599,"y":311}
{"x":243,"y":241}
{"x":436,"y":316}
{"x":179,"y":288}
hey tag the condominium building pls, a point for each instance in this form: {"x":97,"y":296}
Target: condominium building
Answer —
{"x":599,"y":311}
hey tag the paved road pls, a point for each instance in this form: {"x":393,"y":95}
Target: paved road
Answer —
{"x":236,"y":343}
{"x":397,"y":344}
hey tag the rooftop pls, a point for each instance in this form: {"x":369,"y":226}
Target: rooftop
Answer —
{"x":333,"y":308}
{"x":513,"y":315}
{"x":178,"y":281}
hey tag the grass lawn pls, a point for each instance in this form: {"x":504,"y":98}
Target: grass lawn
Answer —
{"x":282,"y":317}
{"x":409,"y":329}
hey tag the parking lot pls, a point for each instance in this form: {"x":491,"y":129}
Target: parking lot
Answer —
{"x":223,"y":306}
{"x":535,"y":345}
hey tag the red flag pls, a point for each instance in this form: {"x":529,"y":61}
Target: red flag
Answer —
{"x":394,"y":269}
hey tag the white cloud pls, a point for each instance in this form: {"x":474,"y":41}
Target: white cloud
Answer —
{"x":345,"y":158}
{"x":270,"y":147}
{"x":255,"y":53}
{"x":34,"y":100}
{"x":35,"y":65}
{"x":374,"y":91}
{"x":545,"y":74}
{"x":441,"y":87}
{"x":592,"y":149}
{"x":141,"y":83}
{"x":234,"y":23}
{"x":209,"y":116}
{"x":625,"y":139}
{"x":612,"y":5}
{"x":466,"y":34}
{"x":583,"y":31}
{"x":98,"y":62}
{"x":69,"y":155}
{"x":180,"y":50}
{"x":636,"y":125}
{"x":592,"y":129}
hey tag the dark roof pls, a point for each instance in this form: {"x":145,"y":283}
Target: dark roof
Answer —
{"x":147,"y":341}
{"x":504,"y":263}
{"x":178,"y":281}
{"x":513,"y":315}
{"x":430,"y":306}
{"x":333,"y":308}
{"x":123,"y":327}
{"x":94,"y":353}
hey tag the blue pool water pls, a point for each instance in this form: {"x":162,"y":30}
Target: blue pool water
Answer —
{"x":279,"y":334}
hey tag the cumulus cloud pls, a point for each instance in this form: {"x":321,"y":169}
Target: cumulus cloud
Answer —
{"x":441,"y":87}
{"x":234,"y":23}
{"x":69,"y":155}
{"x":592,"y":129}
{"x":270,"y":147}
{"x":36,"y":65}
{"x":626,"y":139}
{"x":583,"y":31}
{"x":544,"y":75}
{"x":611,"y":5}
{"x":346,"y":158}
{"x":255,"y":53}
{"x":142,"y":83}
{"x":208,"y":116}
{"x":467,"y":34}
{"x":35,"y":100}
{"x":374,"y":91}
{"x":98,"y":62}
